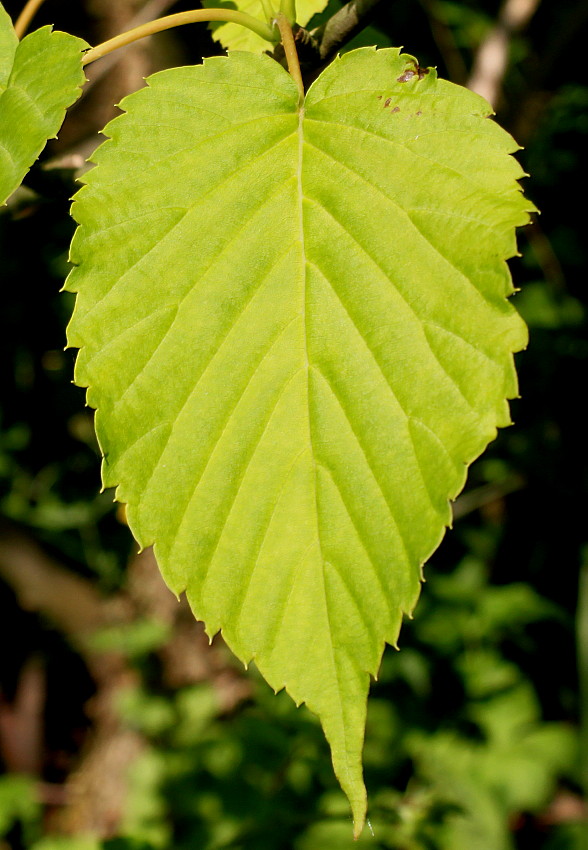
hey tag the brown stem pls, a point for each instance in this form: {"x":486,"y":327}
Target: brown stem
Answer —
{"x":26,"y":16}
{"x":290,"y":52}
{"x":150,"y":11}
{"x":445,"y":41}
{"x":43,"y":585}
{"x":343,"y":25}
{"x":485,"y":495}
{"x":192,"y":17}
{"x":491,"y":60}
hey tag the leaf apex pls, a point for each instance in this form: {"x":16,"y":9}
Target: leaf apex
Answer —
{"x":359,"y":811}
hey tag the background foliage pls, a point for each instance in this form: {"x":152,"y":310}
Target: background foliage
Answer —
{"x":119,"y":726}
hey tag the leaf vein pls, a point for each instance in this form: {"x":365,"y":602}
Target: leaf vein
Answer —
{"x":367,"y":461}
{"x":238,"y":230}
{"x":360,"y":536}
{"x":228,"y":418}
{"x":403,"y":297}
{"x":401,"y":209}
{"x":248,"y":462}
{"x":43,"y":117}
{"x":218,"y":345}
{"x":386,"y":381}
{"x":436,"y":163}
{"x":243,"y":597}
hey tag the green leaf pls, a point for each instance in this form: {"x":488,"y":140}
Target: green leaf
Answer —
{"x":8,"y":45}
{"x":39,"y":78}
{"x":295,"y":329}
{"x":234,"y":37}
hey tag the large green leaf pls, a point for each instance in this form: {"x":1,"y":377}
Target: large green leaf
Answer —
{"x":294,"y":327}
{"x":39,"y":78}
{"x":235,"y":37}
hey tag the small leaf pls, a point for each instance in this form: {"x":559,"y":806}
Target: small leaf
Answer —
{"x":39,"y":78}
{"x":234,"y":37}
{"x":8,"y":45}
{"x":294,"y":327}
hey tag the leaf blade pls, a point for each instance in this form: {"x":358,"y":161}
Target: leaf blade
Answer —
{"x":43,"y":77}
{"x":329,"y":392}
{"x":234,"y":37}
{"x":8,"y":45}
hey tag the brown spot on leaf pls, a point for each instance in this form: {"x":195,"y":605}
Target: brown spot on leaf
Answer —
{"x":380,"y":96}
{"x":411,"y":72}
{"x":396,"y":109}
{"x":419,"y":112}
{"x":388,"y":102}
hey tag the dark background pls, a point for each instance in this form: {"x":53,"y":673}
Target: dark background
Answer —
{"x":119,"y":726}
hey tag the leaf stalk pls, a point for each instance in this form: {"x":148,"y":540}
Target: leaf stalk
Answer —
{"x":26,"y":16}
{"x":268,"y":10}
{"x":290,"y":52}
{"x":288,"y":8}
{"x":169,"y":21}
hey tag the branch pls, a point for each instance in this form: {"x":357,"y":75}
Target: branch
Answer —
{"x":445,"y":40}
{"x":43,"y":585}
{"x":491,"y":60}
{"x":150,"y":11}
{"x":317,"y":47}
{"x":343,"y":26}
{"x":179,"y":19}
{"x":487,"y":494}
{"x":26,"y":16}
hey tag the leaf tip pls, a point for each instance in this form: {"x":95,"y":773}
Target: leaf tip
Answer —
{"x":359,"y":818}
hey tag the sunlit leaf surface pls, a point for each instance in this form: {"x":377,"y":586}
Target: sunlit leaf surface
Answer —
{"x":39,"y":78}
{"x":235,"y":37}
{"x":294,"y":326}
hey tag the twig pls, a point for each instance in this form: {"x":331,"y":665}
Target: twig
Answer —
{"x":26,"y":16}
{"x":546,"y":257}
{"x":342,"y":26}
{"x":151,"y":10}
{"x":179,"y":19}
{"x":491,"y":60}
{"x":43,"y":585}
{"x":21,"y":724}
{"x":445,"y":41}
{"x":485,"y":495}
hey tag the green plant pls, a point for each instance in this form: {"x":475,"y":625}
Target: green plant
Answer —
{"x":293,"y":322}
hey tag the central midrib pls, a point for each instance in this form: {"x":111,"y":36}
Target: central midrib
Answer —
{"x":304,"y":312}
{"x":307,"y":364}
